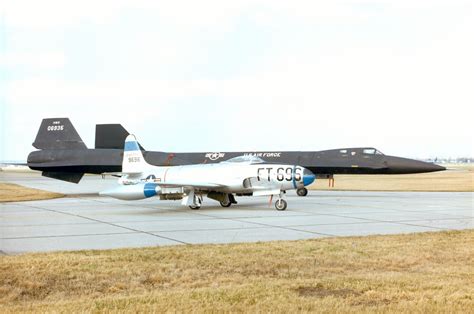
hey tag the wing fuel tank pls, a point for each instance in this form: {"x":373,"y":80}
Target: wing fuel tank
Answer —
{"x":132,"y":192}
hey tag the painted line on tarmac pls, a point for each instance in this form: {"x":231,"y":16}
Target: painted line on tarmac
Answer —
{"x":110,"y":224}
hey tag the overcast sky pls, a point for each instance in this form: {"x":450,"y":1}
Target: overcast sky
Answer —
{"x":243,"y":75}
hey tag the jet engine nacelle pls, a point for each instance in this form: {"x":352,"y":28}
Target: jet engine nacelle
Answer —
{"x":133,"y":192}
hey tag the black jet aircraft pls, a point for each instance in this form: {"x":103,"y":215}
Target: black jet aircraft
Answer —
{"x":63,"y":155}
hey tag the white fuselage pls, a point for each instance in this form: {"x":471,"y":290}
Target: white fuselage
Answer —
{"x":232,"y":178}
{"x":241,"y":175}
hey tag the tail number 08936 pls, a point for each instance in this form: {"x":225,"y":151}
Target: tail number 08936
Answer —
{"x":55,"y":128}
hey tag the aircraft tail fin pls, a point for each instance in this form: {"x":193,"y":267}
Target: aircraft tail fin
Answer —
{"x":133,"y":160}
{"x":111,"y":136}
{"x":58,"y":133}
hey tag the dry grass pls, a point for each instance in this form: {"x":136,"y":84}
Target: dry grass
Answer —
{"x":455,"y":179}
{"x":424,"y":272}
{"x":15,"y":193}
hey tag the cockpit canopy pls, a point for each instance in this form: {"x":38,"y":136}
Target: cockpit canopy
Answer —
{"x":371,"y":151}
{"x":245,"y":160}
{"x":362,"y":150}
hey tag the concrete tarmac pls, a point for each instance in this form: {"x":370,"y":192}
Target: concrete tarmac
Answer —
{"x":83,"y":220}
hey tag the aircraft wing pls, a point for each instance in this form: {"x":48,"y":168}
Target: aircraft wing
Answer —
{"x":190,"y":184}
{"x":177,"y":184}
{"x":120,"y":174}
{"x":262,"y":187}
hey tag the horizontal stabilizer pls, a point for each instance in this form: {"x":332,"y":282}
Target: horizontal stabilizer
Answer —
{"x":72,"y":177}
{"x":58,"y":133}
{"x":111,"y":136}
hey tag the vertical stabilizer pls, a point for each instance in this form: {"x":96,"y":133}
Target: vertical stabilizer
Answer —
{"x":111,"y":136}
{"x":133,"y":161}
{"x":58,"y":133}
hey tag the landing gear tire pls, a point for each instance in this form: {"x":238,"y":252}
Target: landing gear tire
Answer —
{"x":197,"y":203}
{"x":302,"y":192}
{"x":281,"y":204}
{"x":228,"y":200}
{"x":226,"y":203}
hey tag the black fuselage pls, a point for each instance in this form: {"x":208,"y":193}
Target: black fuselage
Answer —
{"x":328,"y":162}
{"x":63,"y":155}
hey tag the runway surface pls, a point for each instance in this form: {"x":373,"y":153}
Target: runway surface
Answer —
{"x":84,"y":220}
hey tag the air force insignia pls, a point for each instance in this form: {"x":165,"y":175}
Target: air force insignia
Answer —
{"x":215,"y":156}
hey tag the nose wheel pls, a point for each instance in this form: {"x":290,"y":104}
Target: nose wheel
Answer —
{"x":281,"y":204}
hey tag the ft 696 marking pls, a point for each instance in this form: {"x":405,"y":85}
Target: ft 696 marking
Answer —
{"x":282,"y":173}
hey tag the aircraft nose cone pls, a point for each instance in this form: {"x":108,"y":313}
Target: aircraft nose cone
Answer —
{"x":308,"y":177}
{"x":397,"y":165}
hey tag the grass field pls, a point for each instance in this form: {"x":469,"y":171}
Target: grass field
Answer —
{"x":455,"y":179}
{"x":15,"y":193}
{"x":424,"y":272}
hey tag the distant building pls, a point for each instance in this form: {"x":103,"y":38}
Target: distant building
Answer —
{"x":450,"y":160}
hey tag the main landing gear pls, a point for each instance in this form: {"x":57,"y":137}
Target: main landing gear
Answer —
{"x":225,"y":203}
{"x":229,"y":200}
{"x":302,"y":192}
{"x":197,"y":202}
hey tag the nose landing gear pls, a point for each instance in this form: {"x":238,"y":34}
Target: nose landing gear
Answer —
{"x":281,"y":204}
